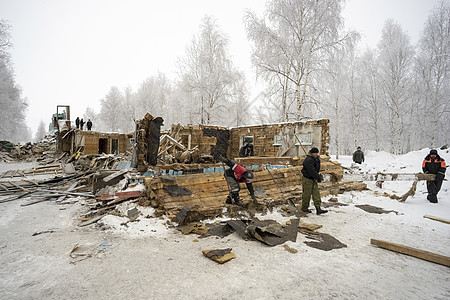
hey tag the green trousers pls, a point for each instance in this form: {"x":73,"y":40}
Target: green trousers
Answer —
{"x":310,"y":187}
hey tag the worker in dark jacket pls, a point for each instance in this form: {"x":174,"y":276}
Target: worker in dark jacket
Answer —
{"x":89,"y":124}
{"x":434,"y":164}
{"x":311,"y":176}
{"x":358,"y":156}
{"x":246,"y":150}
{"x":77,"y":122}
{"x":238,"y":174}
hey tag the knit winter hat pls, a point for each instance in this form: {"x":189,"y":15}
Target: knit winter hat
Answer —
{"x":433,"y":151}
{"x":314,"y":150}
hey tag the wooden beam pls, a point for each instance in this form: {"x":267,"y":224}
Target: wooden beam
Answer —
{"x":304,"y":150}
{"x":425,"y":255}
{"x":285,"y":151}
{"x":18,"y":186}
{"x":437,"y":219}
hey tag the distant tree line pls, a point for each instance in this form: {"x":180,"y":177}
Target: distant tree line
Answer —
{"x":13,"y":106}
{"x":393,"y":98}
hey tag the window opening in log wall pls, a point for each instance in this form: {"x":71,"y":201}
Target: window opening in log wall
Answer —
{"x":115,"y":146}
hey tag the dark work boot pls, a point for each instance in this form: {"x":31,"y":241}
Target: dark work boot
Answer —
{"x":433,"y":199}
{"x":320,"y":211}
{"x":237,"y":200}
{"x":307,"y":210}
{"x":229,"y":200}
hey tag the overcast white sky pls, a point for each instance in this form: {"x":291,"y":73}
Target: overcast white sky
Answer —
{"x":71,"y":52}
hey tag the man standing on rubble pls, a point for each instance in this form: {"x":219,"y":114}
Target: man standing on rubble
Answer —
{"x":434,"y":164}
{"x":311,"y":176}
{"x":77,"y":122}
{"x":358,"y":156}
{"x":89,"y":124}
{"x":238,"y":174}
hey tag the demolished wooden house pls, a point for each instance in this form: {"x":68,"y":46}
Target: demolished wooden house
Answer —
{"x":94,"y":142}
{"x":182,"y":166}
{"x":201,"y":188}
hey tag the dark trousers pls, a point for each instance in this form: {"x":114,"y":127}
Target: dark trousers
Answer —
{"x":232,"y":182}
{"x":310,"y":188}
{"x":433,"y":188}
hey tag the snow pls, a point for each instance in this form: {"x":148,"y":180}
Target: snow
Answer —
{"x":148,"y":258}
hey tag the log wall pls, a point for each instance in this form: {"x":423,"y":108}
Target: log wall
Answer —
{"x":209,"y":191}
{"x":263,"y":138}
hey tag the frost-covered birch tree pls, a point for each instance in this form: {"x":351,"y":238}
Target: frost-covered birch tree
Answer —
{"x":13,"y":106}
{"x":370,"y":98}
{"x":396,"y":58}
{"x":40,"y":132}
{"x":432,"y":67}
{"x":290,"y":44}
{"x":207,"y":75}
{"x":90,"y":114}
{"x":111,"y":110}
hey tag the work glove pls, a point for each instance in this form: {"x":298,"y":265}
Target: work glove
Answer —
{"x":320,"y":179}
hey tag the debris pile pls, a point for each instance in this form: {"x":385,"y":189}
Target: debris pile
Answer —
{"x":40,"y":151}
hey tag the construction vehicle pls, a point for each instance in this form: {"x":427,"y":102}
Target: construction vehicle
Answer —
{"x":62,"y":114}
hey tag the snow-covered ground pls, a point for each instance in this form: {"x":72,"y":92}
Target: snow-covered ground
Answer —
{"x":149,"y":259}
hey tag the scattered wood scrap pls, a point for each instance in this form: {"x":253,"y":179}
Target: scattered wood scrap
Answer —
{"x":425,"y":255}
{"x":310,"y":227}
{"x":220,"y":256}
{"x":437,"y":219}
{"x":374,"y":209}
{"x":323,"y":241}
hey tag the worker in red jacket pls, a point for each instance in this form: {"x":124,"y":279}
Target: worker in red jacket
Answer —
{"x":235,"y":175}
{"x":434,"y":164}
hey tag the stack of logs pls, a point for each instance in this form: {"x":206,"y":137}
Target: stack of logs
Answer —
{"x":209,"y":191}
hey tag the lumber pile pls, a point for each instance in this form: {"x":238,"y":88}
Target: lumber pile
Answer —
{"x":193,"y":144}
{"x":206,"y":193}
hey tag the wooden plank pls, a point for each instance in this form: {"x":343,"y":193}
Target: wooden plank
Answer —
{"x":437,"y":219}
{"x":4,"y":187}
{"x":115,"y":174}
{"x":30,"y":181}
{"x":67,"y":193}
{"x":122,"y":195}
{"x":422,"y":254}
{"x":18,"y":186}
{"x":92,"y":221}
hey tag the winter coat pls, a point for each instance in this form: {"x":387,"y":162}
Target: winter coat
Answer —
{"x":246,"y":151}
{"x":434,"y":166}
{"x":358,"y":156}
{"x":311,"y":168}
{"x":236,"y":172}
